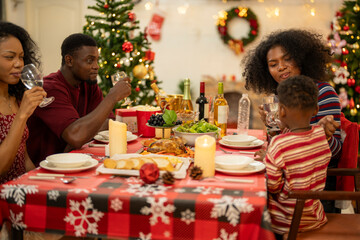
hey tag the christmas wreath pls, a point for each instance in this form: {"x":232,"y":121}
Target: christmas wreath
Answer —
{"x":225,"y":16}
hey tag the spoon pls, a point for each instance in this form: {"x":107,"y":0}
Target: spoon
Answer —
{"x":67,"y":181}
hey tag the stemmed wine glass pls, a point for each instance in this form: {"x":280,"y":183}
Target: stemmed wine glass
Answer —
{"x":31,"y":77}
{"x":117,"y":77}
{"x":271,"y":106}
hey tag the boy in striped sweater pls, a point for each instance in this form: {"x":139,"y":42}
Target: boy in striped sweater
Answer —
{"x":297,"y":160}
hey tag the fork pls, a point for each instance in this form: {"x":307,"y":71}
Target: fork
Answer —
{"x":231,"y":152}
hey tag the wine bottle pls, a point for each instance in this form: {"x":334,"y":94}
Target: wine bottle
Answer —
{"x":221,"y":110}
{"x":160,"y":95}
{"x":203,"y":103}
{"x":186,"y":104}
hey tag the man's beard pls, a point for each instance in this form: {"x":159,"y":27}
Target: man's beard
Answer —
{"x":91,"y":82}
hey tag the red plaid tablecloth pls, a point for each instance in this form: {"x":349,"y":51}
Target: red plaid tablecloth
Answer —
{"x":118,"y":207}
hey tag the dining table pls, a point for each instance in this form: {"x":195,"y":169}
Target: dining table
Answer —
{"x":124,"y":207}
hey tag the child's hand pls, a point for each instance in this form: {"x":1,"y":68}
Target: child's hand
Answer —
{"x":260,"y":155}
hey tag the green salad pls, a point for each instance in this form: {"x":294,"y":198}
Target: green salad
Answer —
{"x":197,"y":127}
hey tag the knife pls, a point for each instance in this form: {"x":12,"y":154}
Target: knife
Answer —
{"x":53,"y":175}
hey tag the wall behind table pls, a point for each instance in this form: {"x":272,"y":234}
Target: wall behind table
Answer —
{"x":190,"y":45}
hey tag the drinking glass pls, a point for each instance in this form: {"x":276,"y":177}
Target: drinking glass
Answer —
{"x":117,"y":77}
{"x":31,"y":77}
{"x":271,"y":106}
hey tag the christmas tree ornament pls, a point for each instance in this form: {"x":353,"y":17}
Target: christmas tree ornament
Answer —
{"x":337,"y":44}
{"x":137,"y":89}
{"x":224,"y":17}
{"x":353,"y":112}
{"x":149,"y":55}
{"x":346,"y":27}
{"x":132,"y":16}
{"x":118,"y":65}
{"x":351,"y":103}
{"x":345,"y":51}
{"x":127,"y":47}
{"x":168,"y":178}
{"x":106,"y":6}
{"x":356,"y":8}
{"x":351,"y":82}
{"x":357,"y":89}
{"x":196,"y":173}
{"x":149,"y":172}
{"x":343,"y":97}
{"x":139,"y":71}
{"x":154,"y":27}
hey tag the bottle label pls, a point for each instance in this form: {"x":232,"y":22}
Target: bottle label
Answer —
{"x":206,"y":111}
{"x":222,"y":114}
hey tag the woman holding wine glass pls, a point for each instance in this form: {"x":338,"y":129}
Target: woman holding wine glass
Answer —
{"x":294,"y":52}
{"x":16,"y":103}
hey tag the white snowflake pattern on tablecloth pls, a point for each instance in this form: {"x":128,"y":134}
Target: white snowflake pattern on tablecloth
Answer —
{"x":116,"y":204}
{"x":226,"y":236}
{"x":53,"y":194}
{"x":144,"y":236}
{"x":262,"y":194}
{"x":158,"y":210}
{"x":133,"y":180}
{"x":230,"y":208}
{"x":80,"y":190}
{"x":18,"y":192}
{"x":16,"y":220}
{"x":82,"y":216}
{"x":188,"y":216}
{"x":208,"y":190}
{"x":167,"y":234}
{"x":146,"y":190}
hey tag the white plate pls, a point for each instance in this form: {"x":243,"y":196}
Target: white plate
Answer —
{"x":49,"y":166}
{"x":240,"y":140}
{"x":253,"y":167}
{"x":68,"y":160}
{"x":179,"y":174}
{"x":130,"y":138}
{"x":232,"y":162}
{"x":254,"y":144}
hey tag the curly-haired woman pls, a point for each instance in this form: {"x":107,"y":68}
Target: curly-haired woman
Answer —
{"x":292,"y":52}
{"x":16,"y":104}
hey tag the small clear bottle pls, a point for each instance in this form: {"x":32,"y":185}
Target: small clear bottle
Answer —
{"x":243,"y":114}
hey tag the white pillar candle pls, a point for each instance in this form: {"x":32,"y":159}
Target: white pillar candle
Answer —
{"x":205,"y":147}
{"x":117,"y":138}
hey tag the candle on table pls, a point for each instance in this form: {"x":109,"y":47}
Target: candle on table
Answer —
{"x":205,"y":147}
{"x":117,"y":138}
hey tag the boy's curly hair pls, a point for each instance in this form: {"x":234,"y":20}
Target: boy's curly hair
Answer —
{"x":30,"y":49}
{"x":298,"y":92}
{"x":306,"y":48}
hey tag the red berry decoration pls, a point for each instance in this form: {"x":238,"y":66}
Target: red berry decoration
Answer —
{"x":127,"y":47}
{"x":106,"y":6}
{"x":149,"y":172}
{"x":137,"y":89}
{"x":346,"y":27}
{"x":253,"y":32}
{"x":357,"y":89}
{"x":118,"y":65}
{"x":345,"y":51}
{"x":351,"y":82}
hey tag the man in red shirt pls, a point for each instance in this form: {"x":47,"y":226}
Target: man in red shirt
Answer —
{"x":79,"y":110}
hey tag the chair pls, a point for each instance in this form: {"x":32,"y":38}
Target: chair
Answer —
{"x":339,"y":226}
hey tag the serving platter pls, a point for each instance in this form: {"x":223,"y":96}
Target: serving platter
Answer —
{"x":178,"y":174}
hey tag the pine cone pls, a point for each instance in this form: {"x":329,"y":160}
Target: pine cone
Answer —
{"x":168,"y":178}
{"x":196,"y":173}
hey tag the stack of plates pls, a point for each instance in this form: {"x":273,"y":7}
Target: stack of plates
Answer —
{"x":103,"y":136}
{"x":241,"y":141}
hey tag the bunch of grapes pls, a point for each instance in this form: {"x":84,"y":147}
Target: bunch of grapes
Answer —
{"x":157,"y":120}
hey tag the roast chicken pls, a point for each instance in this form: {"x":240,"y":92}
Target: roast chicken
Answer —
{"x":172,"y":145}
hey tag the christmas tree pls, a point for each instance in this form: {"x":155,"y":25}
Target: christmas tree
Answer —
{"x":122,"y":47}
{"x":344,"y":42}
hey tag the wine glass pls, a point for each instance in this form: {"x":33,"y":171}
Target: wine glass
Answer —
{"x":31,"y":77}
{"x":117,"y":77}
{"x":271,"y":106}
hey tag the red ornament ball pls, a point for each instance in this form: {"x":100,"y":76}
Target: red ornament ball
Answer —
{"x":346,"y":27}
{"x":149,"y":172}
{"x":253,"y":32}
{"x":357,"y":89}
{"x":137,"y":89}
{"x":118,"y":65}
{"x":345,"y":51}
{"x":127,"y":47}
{"x":106,"y":6}
{"x":351,"y":82}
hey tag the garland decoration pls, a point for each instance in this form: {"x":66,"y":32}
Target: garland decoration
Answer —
{"x":237,"y":45}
